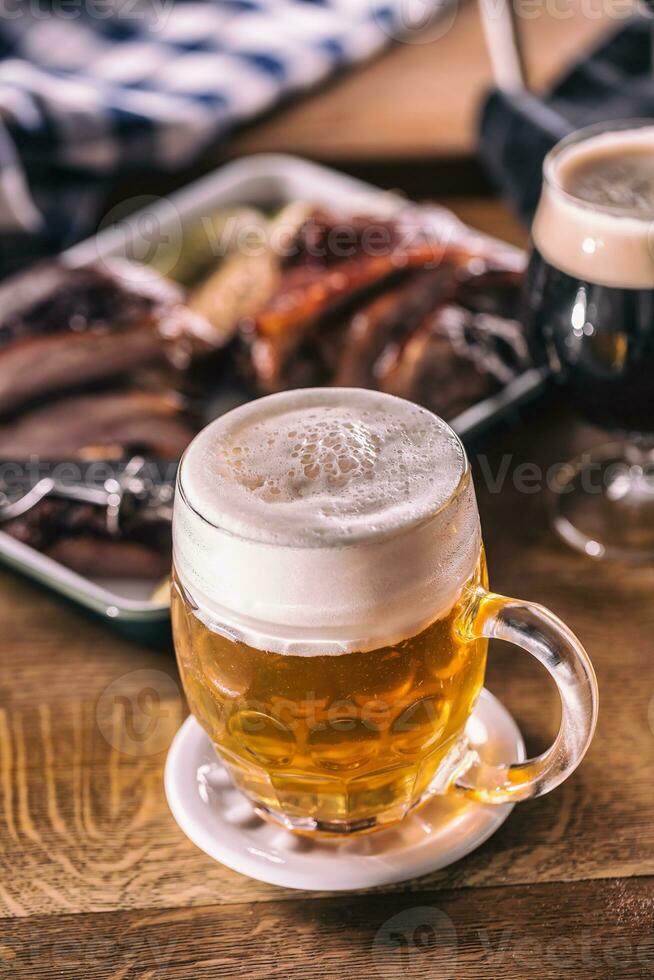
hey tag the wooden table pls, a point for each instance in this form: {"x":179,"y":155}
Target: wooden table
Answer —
{"x":431,"y":87}
{"x":408,"y":118}
{"x":98,"y":882}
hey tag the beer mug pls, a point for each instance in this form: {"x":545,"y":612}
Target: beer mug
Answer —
{"x":331,"y":613}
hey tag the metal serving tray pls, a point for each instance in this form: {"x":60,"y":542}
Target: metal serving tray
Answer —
{"x":264,"y":181}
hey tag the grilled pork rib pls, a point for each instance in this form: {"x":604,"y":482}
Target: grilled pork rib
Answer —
{"x":104,"y":425}
{"x":76,"y":535}
{"x":406,"y":312}
{"x":63,"y":328}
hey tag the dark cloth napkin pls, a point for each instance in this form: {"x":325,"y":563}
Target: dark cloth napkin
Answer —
{"x":616,"y":81}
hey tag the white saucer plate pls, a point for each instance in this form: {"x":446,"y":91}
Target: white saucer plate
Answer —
{"x":221,"y":821}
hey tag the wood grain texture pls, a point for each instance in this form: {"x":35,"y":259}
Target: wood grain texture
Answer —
{"x":96,"y":880}
{"x":85,"y":824}
{"x":539,"y":932}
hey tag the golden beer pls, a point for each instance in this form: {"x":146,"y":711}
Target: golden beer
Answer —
{"x":342,"y":738}
{"x":330,"y":613}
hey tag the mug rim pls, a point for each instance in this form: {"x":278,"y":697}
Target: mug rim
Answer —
{"x":364,"y":536}
{"x":551,"y":180}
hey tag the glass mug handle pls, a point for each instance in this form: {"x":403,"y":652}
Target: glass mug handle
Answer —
{"x":545,"y":637}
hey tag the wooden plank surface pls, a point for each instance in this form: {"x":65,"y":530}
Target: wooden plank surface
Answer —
{"x":85,"y":823}
{"x":97,"y":881}
{"x":540,"y":932}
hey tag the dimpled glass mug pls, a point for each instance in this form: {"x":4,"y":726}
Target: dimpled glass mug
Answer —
{"x":331,"y":614}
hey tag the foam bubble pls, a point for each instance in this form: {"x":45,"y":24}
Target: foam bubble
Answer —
{"x":325,"y":517}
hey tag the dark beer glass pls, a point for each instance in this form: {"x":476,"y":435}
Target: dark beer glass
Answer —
{"x":590,"y":316}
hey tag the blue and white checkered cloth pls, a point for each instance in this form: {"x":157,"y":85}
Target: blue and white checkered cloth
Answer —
{"x":92,"y":89}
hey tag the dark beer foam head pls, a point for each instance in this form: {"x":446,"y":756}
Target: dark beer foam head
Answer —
{"x":325,"y":514}
{"x":595,"y":219}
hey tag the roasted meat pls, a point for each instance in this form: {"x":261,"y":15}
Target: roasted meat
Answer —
{"x":429,"y":317}
{"x":104,"y":425}
{"x":431,"y":370}
{"x":409,"y":305}
{"x":61,"y":331}
{"x":63,"y":328}
{"x":76,"y":535}
{"x":333,"y":266}
{"x":458,"y":355}
{"x":386,"y":321}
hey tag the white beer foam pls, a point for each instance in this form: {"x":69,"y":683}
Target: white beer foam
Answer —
{"x":604,"y":244}
{"x":325,"y":520}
